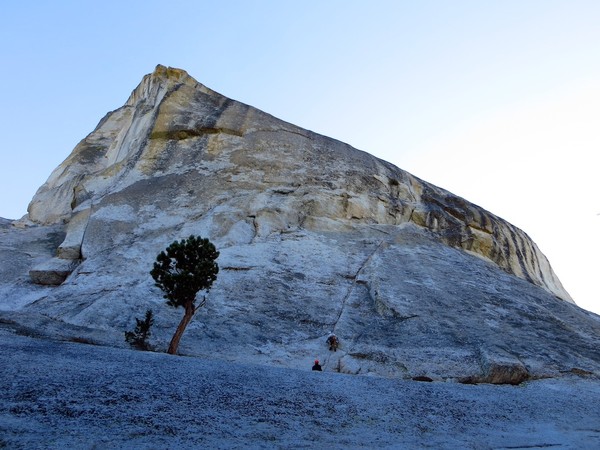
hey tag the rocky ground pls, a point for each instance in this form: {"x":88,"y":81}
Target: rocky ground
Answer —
{"x":57,"y":394}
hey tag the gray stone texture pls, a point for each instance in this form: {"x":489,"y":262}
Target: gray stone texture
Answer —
{"x":315,"y":236}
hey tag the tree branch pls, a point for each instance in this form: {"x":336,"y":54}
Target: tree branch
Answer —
{"x":202,"y":303}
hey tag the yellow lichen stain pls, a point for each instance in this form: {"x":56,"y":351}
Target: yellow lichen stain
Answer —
{"x":213,"y":145}
{"x":419,"y":217}
{"x":171,"y":73}
{"x":112,"y":170}
{"x":147,"y":164}
{"x":482,"y":242}
{"x":417,"y":188}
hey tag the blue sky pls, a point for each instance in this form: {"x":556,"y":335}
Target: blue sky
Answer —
{"x":496,"y":101}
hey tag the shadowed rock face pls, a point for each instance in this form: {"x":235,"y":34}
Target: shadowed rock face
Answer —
{"x":315,"y":236}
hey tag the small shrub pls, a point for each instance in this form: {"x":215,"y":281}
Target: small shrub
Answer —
{"x":138,"y":338}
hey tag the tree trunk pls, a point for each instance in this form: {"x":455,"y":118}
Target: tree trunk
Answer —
{"x":187,"y":317}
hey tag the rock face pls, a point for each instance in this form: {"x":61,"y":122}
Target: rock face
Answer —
{"x":315,"y":236}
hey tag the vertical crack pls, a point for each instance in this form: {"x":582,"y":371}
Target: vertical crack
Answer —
{"x":85,"y":229}
{"x":336,"y":358}
{"x":353,"y":284}
{"x":255,"y":227}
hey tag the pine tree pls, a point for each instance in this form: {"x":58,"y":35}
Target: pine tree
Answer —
{"x":181,"y":271}
{"x":138,"y":338}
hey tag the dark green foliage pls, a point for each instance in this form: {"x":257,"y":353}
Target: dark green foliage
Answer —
{"x":184,"y":269}
{"x":138,"y":338}
{"x":181,"y":271}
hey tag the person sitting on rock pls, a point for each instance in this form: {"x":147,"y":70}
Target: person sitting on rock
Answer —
{"x":333,"y":342}
{"x":317,"y":366}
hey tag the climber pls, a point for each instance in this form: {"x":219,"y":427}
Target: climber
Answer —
{"x":333,"y":342}
{"x":317,"y":366}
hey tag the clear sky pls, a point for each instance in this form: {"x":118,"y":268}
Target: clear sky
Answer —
{"x":497,"y":101}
